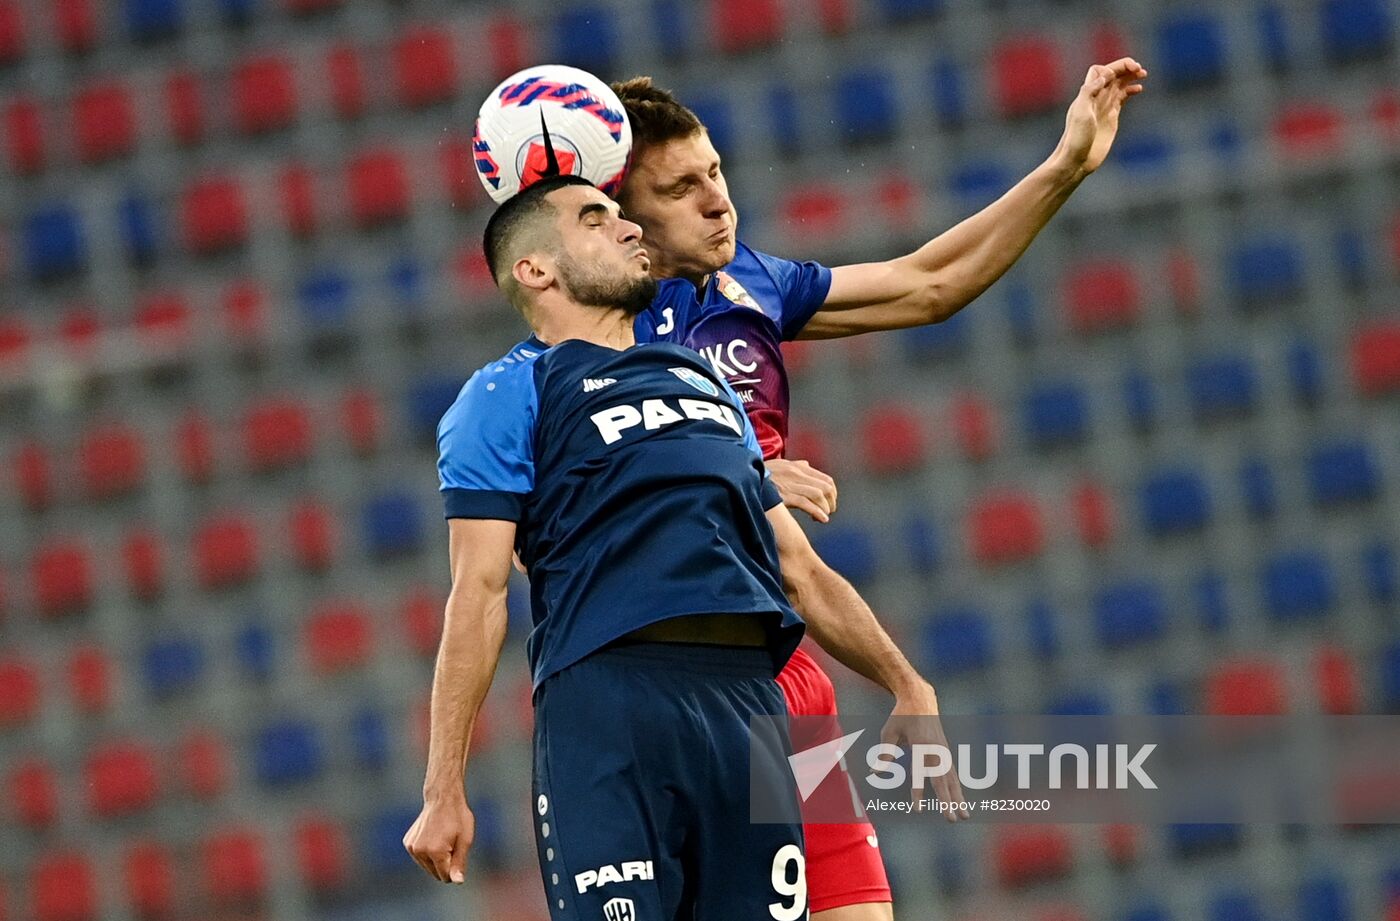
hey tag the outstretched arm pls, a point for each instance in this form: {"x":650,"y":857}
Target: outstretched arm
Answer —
{"x":951,"y":270}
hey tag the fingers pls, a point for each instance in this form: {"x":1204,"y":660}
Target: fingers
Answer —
{"x":804,"y":503}
{"x":457,"y":866}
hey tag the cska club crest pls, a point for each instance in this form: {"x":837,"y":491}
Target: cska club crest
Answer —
{"x":735,"y":291}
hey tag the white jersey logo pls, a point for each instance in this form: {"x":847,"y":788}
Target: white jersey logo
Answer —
{"x":697,"y":380}
{"x":629,"y":870}
{"x":591,"y":384}
{"x":620,"y":910}
{"x":653,"y":414}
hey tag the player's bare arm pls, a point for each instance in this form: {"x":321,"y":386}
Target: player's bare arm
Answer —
{"x":804,"y":487}
{"x":951,"y":270}
{"x":473,"y":631}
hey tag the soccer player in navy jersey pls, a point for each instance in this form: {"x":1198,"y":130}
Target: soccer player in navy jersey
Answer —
{"x":736,"y":306}
{"x":630,"y":482}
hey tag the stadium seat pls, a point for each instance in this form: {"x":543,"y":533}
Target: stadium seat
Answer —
{"x":237,"y":12}
{"x":312,"y":531}
{"x":1032,"y":853}
{"x":112,"y":461}
{"x":421,"y":614}
{"x":33,"y":793}
{"x":201,"y":763}
{"x":1224,"y":386}
{"x":1130,"y":613}
{"x":975,"y":426}
{"x":1305,"y":372}
{"x":75,"y":25}
{"x":850,"y":549}
{"x":361,"y":418}
{"x":234,"y":865}
{"x":457,"y":161}
{"x":745,"y":25}
{"x":12,"y":32}
{"x":1148,"y":912}
{"x":369,"y":738}
{"x":194,"y":447}
{"x":338,"y":636}
{"x":163,"y":324}
{"x":296,"y":191}
{"x":1102,"y":295}
{"x":25,"y":145}
{"x":1174,"y":501}
{"x":63,"y":887}
{"x":286,"y":752}
{"x":120,"y":778}
{"x":172,"y":665}
{"x":979,"y":183}
{"x":184,"y":107}
{"x":33,"y":475}
{"x":80,"y":331}
{"x":938,"y":340}
{"x":958,"y":640}
{"x":254,"y":648}
{"x":321,"y":852}
{"x":1209,"y":592}
{"x":1005,"y":527}
{"x":62,"y":576}
{"x":276,"y":434}
{"x":948,"y":91}
{"x":922,"y":542}
{"x":1078,"y":703}
{"x":1298,"y":586}
{"x":1027,"y":75}
{"x":1350,"y":248}
{"x":1380,"y":572}
{"x":104,"y":122}
{"x":674,"y":27}
{"x":1355,"y":30}
{"x":1338,"y":685}
{"x":1389,"y":668}
{"x":393,"y":525}
{"x":428,"y":398}
{"x":1056,"y":413}
{"x":1323,"y":898}
{"x":1043,"y":629}
{"x":1342,"y":472}
{"x":1184,"y":281}
{"x":892,"y":439}
{"x":244,"y":306}
{"x":54,"y":246}
{"x":1309,"y":129}
{"x":148,"y":20}
{"x":226,"y":552}
{"x":716,"y":114}
{"x":899,"y":200}
{"x":264,"y":94}
{"x":866,"y":109}
{"x":148,"y":877}
{"x":1266,"y":270}
{"x":1092,"y":510}
{"x":1146,"y":155}
{"x":1375,"y":358}
{"x":1245,"y":687}
{"x":1275,"y":40}
{"x":425,"y":66}
{"x":1259,"y":488}
{"x":214,"y":215}
{"x":1140,"y":400}
{"x":509,"y":40}
{"x":1191,"y":50}
{"x":136,"y":215}
{"x":1384,"y":112}
{"x":586,"y":37}
{"x":812,"y":211}
{"x":378,"y":188}
{"x":1192,"y":840}
{"x":345,"y":75}
{"x":90,"y":679}
{"x":310,"y":7}
{"x":1165,"y":698}
{"x":19,"y":691}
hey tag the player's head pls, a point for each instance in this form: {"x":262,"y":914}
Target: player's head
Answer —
{"x":674,"y":187}
{"x":561,"y":237}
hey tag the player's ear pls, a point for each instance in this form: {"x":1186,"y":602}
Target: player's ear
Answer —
{"x":534,"y":272}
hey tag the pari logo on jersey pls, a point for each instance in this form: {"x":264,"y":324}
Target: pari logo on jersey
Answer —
{"x":657,"y":413}
{"x":626,"y":872}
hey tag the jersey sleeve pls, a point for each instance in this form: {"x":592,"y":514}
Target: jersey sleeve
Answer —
{"x":486,"y":464}
{"x":802,"y":288}
{"x":769,"y":492}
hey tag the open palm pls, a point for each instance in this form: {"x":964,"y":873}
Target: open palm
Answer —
{"x":1092,"y":121}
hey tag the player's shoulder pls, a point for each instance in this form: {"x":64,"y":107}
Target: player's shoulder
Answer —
{"x":500,"y":386}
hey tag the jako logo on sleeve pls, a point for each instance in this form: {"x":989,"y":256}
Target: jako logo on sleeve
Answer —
{"x":654,"y":414}
{"x":629,"y":871}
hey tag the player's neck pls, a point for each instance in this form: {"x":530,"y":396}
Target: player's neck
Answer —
{"x":611,"y":329}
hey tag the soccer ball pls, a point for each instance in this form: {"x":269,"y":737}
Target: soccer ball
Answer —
{"x":549,"y":116}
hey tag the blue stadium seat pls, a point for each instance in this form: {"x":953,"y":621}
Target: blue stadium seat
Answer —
{"x":849,"y":549}
{"x":1379,"y":572}
{"x":369,"y":738}
{"x":1298,"y":585}
{"x":958,"y":640}
{"x":253,"y":648}
{"x":865,"y":106}
{"x":1390,"y":679}
{"x":785,"y":119}
{"x":1189,"y":840}
{"x":586,"y":37}
{"x":1324,"y":898}
{"x":1140,"y":400}
{"x":238,"y":11}
{"x":137,"y":219}
{"x":150,"y":19}
{"x":1146,"y":153}
{"x":1222,"y":386}
{"x":53,"y":242}
{"x":1264,"y":270}
{"x":408,"y":282}
{"x":1174,"y":501}
{"x":1022,"y":311}
{"x":393,"y":524}
{"x":288,"y":751}
{"x":716,"y":114}
{"x":948,"y":93}
{"x":1147,"y":913}
{"x":939,"y":340}
{"x":1259,"y":488}
{"x":325,"y":297}
{"x":977,"y":185}
{"x":1164,"y":698}
{"x":1224,"y":139}
{"x":1056,"y":413}
{"x":1079,"y":703}
{"x":1130,"y":613}
{"x":383,"y":843}
{"x":1234,"y":905}
{"x":1212,"y":603}
{"x":1355,"y":30}
{"x":905,"y":10}
{"x":1275,"y":42}
{"x":1343,"y":472}
{"x":673,"y":27}
{"x":172,"y":665}
{"x":923,"y":543}
{"x":1305,"y":372}
{"x":1191,"y":50}
{"x":428,"y":398}
{"x":1042,"y":629}
{"x":1349,"y":245}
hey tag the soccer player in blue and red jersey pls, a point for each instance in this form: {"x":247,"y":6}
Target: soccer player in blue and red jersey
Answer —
{"x":736,"y":306}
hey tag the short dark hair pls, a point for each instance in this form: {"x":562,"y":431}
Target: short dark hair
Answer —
{"x":515,"y":214}
{"x":657,"y":116}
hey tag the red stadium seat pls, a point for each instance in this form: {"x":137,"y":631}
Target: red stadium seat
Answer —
{"x":900,"y":202}
{"x":1093,"y":514}
{"x":1338,"y":688}
{"x":338,"y":637}
{"x":459,"y":172}
{"x":33,"y":475}
{"x":975,"y":426}
{"x":1005,"y":527}
{"x":194,"y":447}
{"x":422,"y":621}
{"x":308,"y":7}
{"x":1246,"y":687}
{"x":835,"y":16}
{"x":1306,"y":129}
{"x":362,"y":419}
{"x":1102,"y":295}
{"x":62,"y":574}
{"x":1184,"y":281}
{"x":19,"y":691}
{"x":63,"y":887}
{"x":347,"y":81}
{"x":321,"y":850}
{"x":104,"y":122}
{"x":1032,"y":853}
{"x":276,"y":434}
{"x":473,"y":277}
{"x":1385,"y":114}
{"x":378,"y":187}
{"x":163,"y":323}
{"x":14,"y":343}
{"x":214,"y":215}
{"x":313,"y":535}
{"x":264,"y":94}
{"x":746,"y":25}
{"x":24,"y":135}
{"x":1375,"y":356}
{"x":226,"y":552}
{"x":1107,"y":42}
{"x":235,"y":866}
{"x":1027,"y":76}
{"x":34,"y":793}
{"x":148,"y":876}
{"x":90,"y":679}
{"x":75,"y":25}
{"x":12,"y":37}
{"x":797,"y":355}
{"x":184,"y":105}
{"x":892,"y":438}
{"x":425,"y":66}
{"x":202,"y":761}
{"x":120,"y":778}
{"x":813,"y":211}
{"x":1122,"y":843}
{"x":112,"y":461}
{"x":244,"y":310}
{"x":143,"y":560}
{"x":296,"y":186}
{"x":810,"y":443}
{"x":509,"y":42}
{"x":80,"y":329}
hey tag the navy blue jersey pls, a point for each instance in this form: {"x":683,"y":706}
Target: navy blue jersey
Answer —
{"x":637,"y":486}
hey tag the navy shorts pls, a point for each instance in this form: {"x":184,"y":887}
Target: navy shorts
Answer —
{"x":642,"y":788}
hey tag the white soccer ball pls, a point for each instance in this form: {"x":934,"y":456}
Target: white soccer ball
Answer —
{"x":551,"y":109}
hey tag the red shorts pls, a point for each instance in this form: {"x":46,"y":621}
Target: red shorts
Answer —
{"x":843,"y":861}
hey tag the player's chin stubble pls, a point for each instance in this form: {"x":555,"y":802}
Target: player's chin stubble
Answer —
{"x":594,"y":288}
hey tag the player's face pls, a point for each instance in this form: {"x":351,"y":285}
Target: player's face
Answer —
{"x":677,"y":192}
{"x":600,"y":262}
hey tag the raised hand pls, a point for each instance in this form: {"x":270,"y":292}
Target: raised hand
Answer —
{"x":1092,"y":121}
